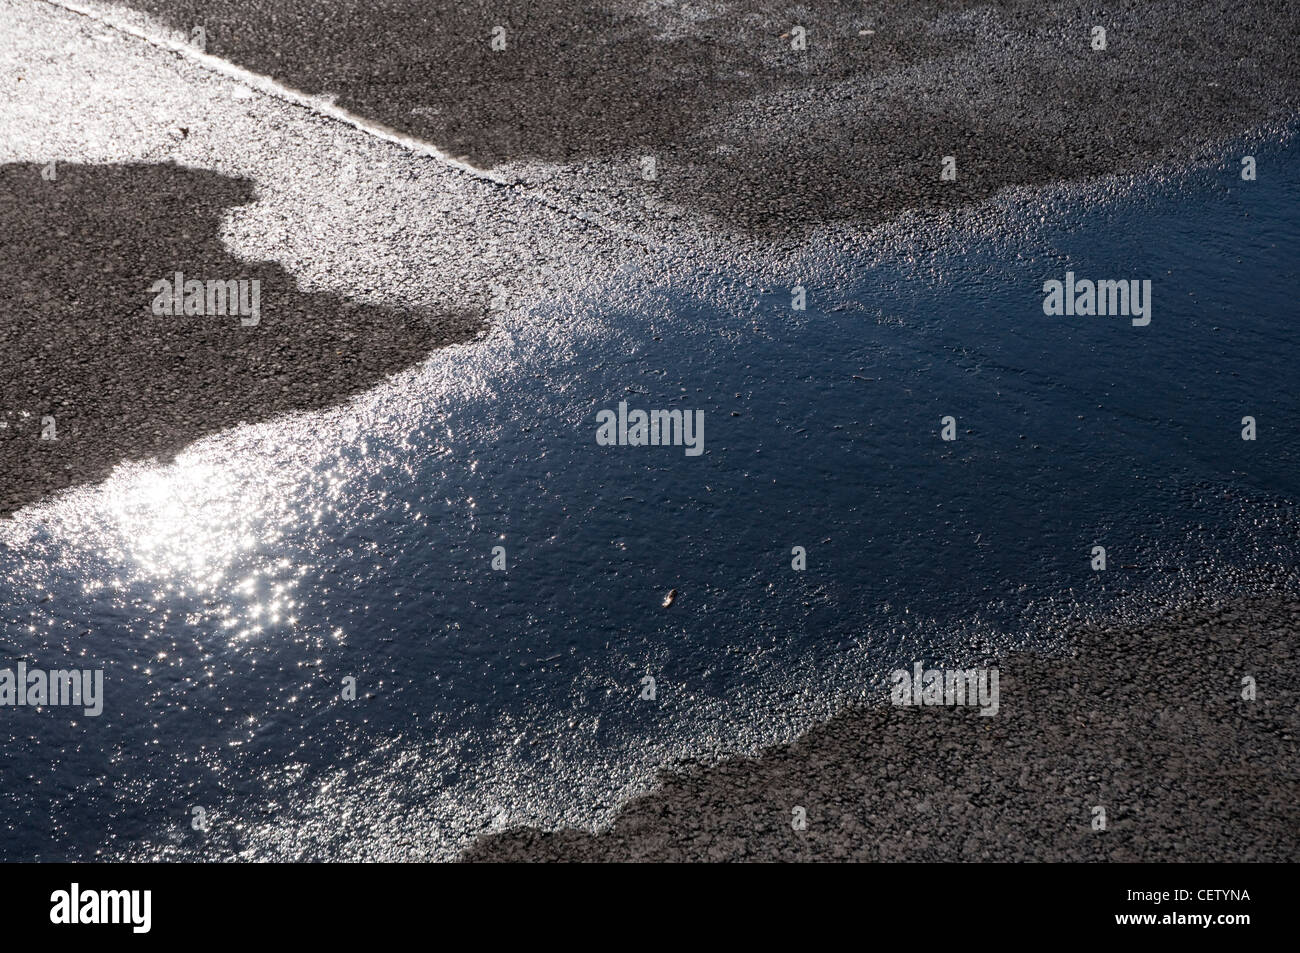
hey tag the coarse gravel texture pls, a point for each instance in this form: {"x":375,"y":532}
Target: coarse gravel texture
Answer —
{"x":1146,"y":721}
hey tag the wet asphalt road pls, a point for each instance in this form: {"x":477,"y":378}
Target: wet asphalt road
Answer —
{"x":370,"y":256}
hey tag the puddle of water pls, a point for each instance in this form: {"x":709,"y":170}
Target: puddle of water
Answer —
{"x":228,"y":596}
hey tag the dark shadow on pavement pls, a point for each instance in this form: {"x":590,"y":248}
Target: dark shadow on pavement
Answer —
{"x":80,"y":342}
